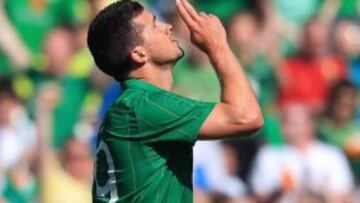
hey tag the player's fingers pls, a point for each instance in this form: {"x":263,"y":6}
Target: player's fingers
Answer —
{"x":191,"y":10}
{"x":202,"y":14}
{"x":185,"y":15}
{"x":213,"y":16}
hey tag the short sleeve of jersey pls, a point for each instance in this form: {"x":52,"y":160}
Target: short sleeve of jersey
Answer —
{"x":159,"y":116}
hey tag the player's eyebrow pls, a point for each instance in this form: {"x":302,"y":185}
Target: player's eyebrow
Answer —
{"x":154,"y":19}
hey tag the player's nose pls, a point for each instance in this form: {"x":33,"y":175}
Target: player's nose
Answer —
{"x":169,"y":28}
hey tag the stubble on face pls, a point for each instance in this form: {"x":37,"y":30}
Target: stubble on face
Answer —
{"x":181,"y":54}
{"x":157,"y":38}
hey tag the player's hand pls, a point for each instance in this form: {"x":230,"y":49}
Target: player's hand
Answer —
{"x":207,"y":32}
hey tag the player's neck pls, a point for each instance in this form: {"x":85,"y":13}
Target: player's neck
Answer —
{"x":158,"y":76}
{"x":163,"y":80}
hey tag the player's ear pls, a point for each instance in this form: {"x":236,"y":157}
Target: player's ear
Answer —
{"x":138,"y":55}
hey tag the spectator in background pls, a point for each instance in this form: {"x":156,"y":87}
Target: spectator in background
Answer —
{"x":17,"y":132}
{"x":35,"y":52}
{"x":304,"y":169}
{"x":68,"y":171}
{"x":243,"y":30}
{"x":339,"y":127}
{"x":346,"y":37}
{"x":213,"y":179}
{"x":11,"y":46}
{"x":34,"y":19}
{"x":244,"y":34}
{"x":216,"y":173}
{"x":21,"y":184}
{"x":298,"y":12}
{"x":279,"y":33}
{"x":194,"y":77}
{"x":308,"y":76}
{"x":101,"y":90}
{"x":248,"y":39}
{"x":17,"y":147}
{"x":59,"y":49}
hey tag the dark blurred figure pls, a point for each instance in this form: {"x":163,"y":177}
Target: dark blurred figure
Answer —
{"x":308,"y":76}
{"x":339,"y":126}
{"x":346,"y":41}
{"x":303,"y":170}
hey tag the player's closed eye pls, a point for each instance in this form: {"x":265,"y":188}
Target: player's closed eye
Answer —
{"x":155,"y":21}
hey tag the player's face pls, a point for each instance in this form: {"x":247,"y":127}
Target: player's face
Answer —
{"x":158,"y":40}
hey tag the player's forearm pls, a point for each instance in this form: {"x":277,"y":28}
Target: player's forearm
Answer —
{"x":236,"y":91}
{"x":239,"y":113}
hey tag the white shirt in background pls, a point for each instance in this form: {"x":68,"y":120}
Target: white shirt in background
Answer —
{"x":322,"y":169}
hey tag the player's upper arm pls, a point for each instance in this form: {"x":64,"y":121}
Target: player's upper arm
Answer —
{"x":226,"y":122}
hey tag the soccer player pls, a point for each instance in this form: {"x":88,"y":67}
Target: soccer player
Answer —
{"x":145,"y":144}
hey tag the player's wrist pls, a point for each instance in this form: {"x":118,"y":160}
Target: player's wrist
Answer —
{"x":218,"y":50}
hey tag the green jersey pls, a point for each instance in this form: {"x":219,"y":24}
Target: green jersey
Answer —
{"x":145,"y":145}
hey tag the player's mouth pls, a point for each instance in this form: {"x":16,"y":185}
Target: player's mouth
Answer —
{"x":173,"y":39}
{"x":175,"y":42}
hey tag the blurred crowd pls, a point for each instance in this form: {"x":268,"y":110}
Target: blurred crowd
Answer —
{"x":301,"y":56}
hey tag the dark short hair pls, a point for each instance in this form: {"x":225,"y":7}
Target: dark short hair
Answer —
{"x":6,"y":89}
{"x":111,"y":36}
{"x":336,"y":92}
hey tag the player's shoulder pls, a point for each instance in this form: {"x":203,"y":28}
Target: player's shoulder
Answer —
{"x":168,"y":97}
{"x":125,"y":101}
{"x":153,"y":101}
{"x":169,"y":103}
{"x":139,"y":92}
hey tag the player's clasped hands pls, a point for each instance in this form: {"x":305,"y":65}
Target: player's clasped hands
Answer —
{"x":207,"y":31}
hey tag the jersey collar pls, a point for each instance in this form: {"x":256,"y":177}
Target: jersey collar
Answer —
{"x":136,"y":83}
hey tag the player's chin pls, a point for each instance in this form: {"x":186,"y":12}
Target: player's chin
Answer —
{"x":181,"y":52}
{"x":178,"y":51}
